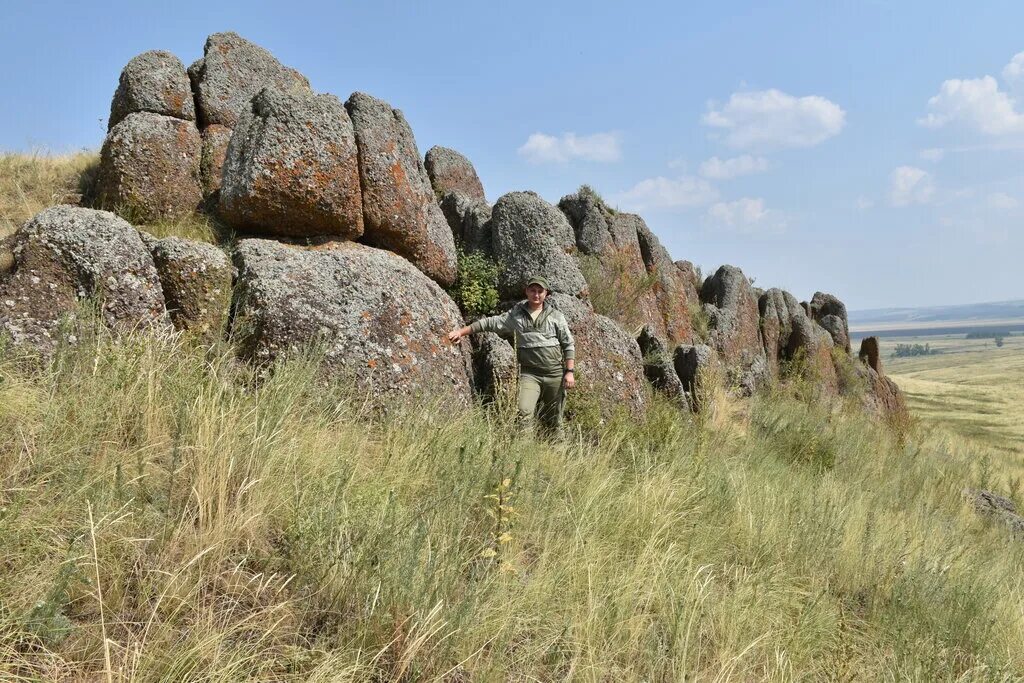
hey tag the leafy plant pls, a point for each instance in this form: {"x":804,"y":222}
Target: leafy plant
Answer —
{"x":476,"y":284}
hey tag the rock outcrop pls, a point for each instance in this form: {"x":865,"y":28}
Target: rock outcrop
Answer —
{"x":65,"y":255}
{"x":651,"y":288}
{"x":196,"y":282}
{"x":231,"y":71}
{"x":380,"y":322}
{"x":215,"y":150}
{"x":531,"y":237}
{"x":609,"y":368}
{"x":659,"y":367}
{"x":449,"y":171}
{"x":734,"y":324}
{"x":996,"y":508}
{"x":149,"y":167}
{"x":470,"y":221}
{"x":695,"y":364}
{"x":494,"y":366}
{"x":154,"y":82}
{"x":400,"y":211}
{"x":829,"y":312}
{"x":292,"y":168}
{"x":785,"y":329}
{"x":883,"y":396}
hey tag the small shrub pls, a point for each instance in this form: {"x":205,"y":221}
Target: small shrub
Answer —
{"x":476,"y":284}
{"x":616,"y":287}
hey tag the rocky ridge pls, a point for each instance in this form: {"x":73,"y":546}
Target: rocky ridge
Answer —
{"x":246,"y":139}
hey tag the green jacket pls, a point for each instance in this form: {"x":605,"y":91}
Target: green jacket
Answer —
{"x":542,"y":347}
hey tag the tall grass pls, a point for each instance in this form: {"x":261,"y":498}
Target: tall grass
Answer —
{"x":166,"y":514}
{"x":31,"y":182}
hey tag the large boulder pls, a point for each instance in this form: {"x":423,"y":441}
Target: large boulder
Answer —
{"x":380,"y":323}
{"x":470,"y":221}
{"x":66,"y":254}
{"x":734,"y":327}
{"x":149,"y":167}
{"x":532,"y":237}
{"x":449,"y":171}
{"x":155,"y":82}
{"x":230,"y":72}
{"x":400,"y":210}
{"x":196,"y":281}
{"x":882,"y":396}
{"x":785,"y":329}
{"x":215,"y":151}
{"x":292,"y":168}
{"x":494,"y":366}
{"x":659,"y":367}
{"x":829,"y":312}
{"x":609,"y":367}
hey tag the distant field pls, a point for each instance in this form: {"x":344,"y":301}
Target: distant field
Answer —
{"x":972,"y":388}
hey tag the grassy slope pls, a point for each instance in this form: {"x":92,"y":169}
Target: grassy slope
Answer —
{"x":164,"y":516}
{"x":971,"y":388}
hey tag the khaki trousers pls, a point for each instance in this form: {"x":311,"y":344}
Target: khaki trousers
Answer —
{"x":541,"y":397}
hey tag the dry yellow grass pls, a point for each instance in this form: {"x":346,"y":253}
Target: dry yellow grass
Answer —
{"x":31,"y":182}
{"x":971,"y":388}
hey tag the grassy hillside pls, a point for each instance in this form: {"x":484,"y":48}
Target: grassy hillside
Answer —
{"x":971,"y":387}
{"x":166,"y":513}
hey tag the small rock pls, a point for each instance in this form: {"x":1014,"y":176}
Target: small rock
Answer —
{"x":449,"y":171}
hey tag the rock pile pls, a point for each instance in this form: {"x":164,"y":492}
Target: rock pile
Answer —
{"x":364,"y":236}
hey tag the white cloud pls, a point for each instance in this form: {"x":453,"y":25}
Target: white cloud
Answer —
{"x":667,"y":193}
{"x":541,"y":148}
{"x":747,"y":215}
{"x":1001,"y":201}
{"x":678,"y":164}
{"x":910,"y":185}
{"x":933,"y":154}
{"x":1013,"y":71}
{"x":976,"y":103}
{"x":771,"y":119}
{"x":727,"y":169}
{"x":864,"y":203}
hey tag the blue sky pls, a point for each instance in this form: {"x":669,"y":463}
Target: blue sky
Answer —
{"x":869,"y":149}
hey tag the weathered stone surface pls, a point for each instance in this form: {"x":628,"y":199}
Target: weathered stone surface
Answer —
{"x":997,"y":508}
{"x":494,"y":365}
{"x":196,"y":281}
{"x":882,"y":396}
{"x":292,"y":168}
{"x":870,"y":354}
{"x":829,"y":312}
{"x":399,"y":207}
{"x":691,"y":281}
{"x":156,"y":82}
{"x":531,"y":237}
{"x":734,"y":325}
{"x":609,"y":247}
{"x":230,"y":72}
{"x":470,"y":221}
{"x":66,"y":254}
{"x":149,"y":167}
{"x":672,"y":287}
{"x":609,"y":368}
{"x":696,"y":365}
{"x":821,"y":366}
{"x":381,"y":323}
{"x":785,"y":329}
{"x":658,"y":366}
{"x":450,"y":171}
{"x":215,"y":150}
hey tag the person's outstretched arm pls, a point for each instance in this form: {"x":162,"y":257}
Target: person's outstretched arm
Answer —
{"x":494,"y":323}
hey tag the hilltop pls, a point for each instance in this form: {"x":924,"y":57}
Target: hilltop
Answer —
{"x":236,"y":446}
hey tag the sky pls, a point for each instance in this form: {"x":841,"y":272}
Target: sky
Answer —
{"x":872,"y":150}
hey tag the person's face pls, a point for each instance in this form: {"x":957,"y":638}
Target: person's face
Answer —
{"x":536,"y":294}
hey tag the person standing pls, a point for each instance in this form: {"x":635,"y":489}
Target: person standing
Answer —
{"x":545,"y":351}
